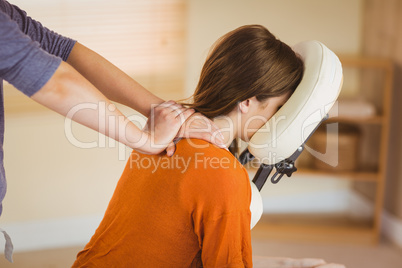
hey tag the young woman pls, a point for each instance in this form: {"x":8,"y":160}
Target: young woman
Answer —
{"x":192,"y":209}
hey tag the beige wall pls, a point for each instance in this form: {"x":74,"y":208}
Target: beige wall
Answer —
{"x":383,"y":37}
{"x":51,"y":178}
{"x":336,"y":23}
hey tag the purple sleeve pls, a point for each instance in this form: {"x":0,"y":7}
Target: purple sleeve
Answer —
{"x":49,"y":41}
{"x":22,"y":62}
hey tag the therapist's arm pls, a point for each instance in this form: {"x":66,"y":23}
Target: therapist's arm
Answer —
{"x":71,"y":95}
{"x":111,"y":81}
{"x":119,"y":87}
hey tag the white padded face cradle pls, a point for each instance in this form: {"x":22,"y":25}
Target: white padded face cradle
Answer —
{"x":280,"y":137}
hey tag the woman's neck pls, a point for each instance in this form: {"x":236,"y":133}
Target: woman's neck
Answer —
{"x":228,"y":126}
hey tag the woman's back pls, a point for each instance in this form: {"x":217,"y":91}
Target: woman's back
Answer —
{"x":177,"y":211}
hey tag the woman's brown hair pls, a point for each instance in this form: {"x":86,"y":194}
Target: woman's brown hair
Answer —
{"x":246,"y":62}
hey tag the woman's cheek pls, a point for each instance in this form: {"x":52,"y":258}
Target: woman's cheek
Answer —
{"x":253,"y":125}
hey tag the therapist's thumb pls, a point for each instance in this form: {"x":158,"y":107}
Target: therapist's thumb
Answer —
{"x":170,"y":150}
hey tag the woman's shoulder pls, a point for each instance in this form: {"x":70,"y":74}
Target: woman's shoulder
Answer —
{"x":200,"y":151}
{"x":192,"y":146}
{"x":210,"y":162}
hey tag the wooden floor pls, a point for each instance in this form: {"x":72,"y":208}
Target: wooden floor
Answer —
{"x":52,"y":258}
{"x":383,"y":255}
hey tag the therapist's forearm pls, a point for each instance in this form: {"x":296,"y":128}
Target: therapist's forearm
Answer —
{"x":71,"y":95}
{"x":111,"y":81}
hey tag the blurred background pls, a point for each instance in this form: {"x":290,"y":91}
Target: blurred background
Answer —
{"x":346,"y":210}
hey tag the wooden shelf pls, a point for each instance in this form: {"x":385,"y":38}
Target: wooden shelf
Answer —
{"x":374,"y":120}
{"x":366,"y":62}
{"x":361,"y":175}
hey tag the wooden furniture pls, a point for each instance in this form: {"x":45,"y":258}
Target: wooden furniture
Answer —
{"x":375,"y":78}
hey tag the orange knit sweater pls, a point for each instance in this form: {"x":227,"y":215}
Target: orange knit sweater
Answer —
{"x":188,"y":210}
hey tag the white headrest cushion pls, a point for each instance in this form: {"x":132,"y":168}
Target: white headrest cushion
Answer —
{"x":313,"y":98}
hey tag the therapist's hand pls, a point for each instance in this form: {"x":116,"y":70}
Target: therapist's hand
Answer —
{"x":163,"y":124}
{"x":198,"y":126}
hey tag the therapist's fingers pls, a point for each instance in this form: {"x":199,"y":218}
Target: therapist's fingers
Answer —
{"x":169,"y":103}
{"x":175,"y":108}
{"x":178,"y":111}
{"x":164,"y":123}
{"x":183,"y":114}
{"x":170,"y":149}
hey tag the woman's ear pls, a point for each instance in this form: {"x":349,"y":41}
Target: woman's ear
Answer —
{"x":245,"y":105}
